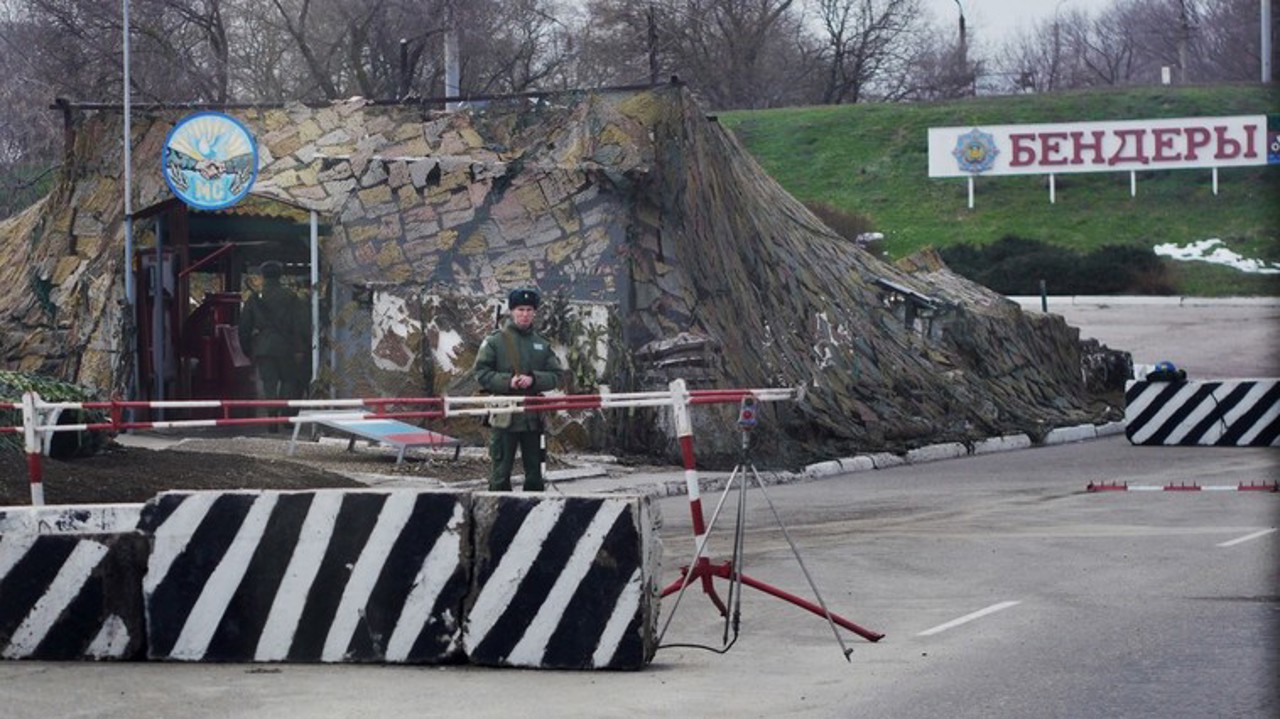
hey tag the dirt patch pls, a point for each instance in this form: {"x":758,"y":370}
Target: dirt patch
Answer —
{"x":135,"y":474}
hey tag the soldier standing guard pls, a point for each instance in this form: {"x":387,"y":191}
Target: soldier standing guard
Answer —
{"x":516,"y":360}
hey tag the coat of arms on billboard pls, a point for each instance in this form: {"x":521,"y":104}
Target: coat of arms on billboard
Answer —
{"x":210,"y":160}
{"x":975,"y":151}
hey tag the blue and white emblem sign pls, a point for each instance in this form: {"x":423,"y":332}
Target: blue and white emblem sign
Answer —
{"x":975,"y":151}
{"x":210,"y":160}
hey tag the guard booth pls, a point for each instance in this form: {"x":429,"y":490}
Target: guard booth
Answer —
{"x":193,"y":269}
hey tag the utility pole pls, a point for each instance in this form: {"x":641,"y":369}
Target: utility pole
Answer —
{"x":652,"y":42}
{"x":451,"y":73}
{"x":1184,"y":39}
{"x":963,"y":50}
{"x":1265,"y":53}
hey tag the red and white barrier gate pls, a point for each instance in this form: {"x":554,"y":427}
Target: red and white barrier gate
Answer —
{"x":40,"y":418}
{"x":1182,"y":487}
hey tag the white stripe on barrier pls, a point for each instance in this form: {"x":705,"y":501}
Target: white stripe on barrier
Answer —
{"x":1201,"y":411}
{"x":112,"y":639}
{"x":206,"y":615}
{"x":1255,"y":396}
{"x":355,"y":595}
{"x":304,"y":563}
{"x":13,"y":547}
{"x":61,"y":591}
{"x":623,"y":611}
{"x":533,"y":644}
{"x":161,"y":561}
{"x":436,"y":570}
{"x":504,"y":582}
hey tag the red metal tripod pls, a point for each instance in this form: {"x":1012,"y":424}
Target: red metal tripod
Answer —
{"x":702,"y":569}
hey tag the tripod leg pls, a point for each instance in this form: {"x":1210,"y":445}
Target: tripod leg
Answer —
{"x":701,"y":566}
{"x":733,"y":618}
{"x":809,"y":578}
{"x":814,"y":608}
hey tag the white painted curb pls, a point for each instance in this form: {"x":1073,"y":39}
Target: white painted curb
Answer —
{"x":860,"y":463}
{"x":824,"y":469}
{"x":1063,"y":435}
{"x":887,"y":459}
{"x":1002,"y":444}
{"x":935,"y":452}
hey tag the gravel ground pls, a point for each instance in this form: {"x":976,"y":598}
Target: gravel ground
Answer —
{"x":135,"y":474}
{"x":131,"y":470}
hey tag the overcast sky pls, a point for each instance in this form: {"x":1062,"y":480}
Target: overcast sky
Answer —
{"x":993,"y":21}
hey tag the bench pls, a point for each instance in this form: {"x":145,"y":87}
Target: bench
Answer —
{"x":391,"y":432}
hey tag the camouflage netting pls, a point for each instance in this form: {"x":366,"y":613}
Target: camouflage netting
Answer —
{"x":663,"y":247}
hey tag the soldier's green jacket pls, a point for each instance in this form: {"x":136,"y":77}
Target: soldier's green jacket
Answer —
{"x":495,"y":366}
{"x":274,"y":323}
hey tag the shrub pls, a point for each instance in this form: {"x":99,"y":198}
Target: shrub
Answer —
{"x":849,"y":225}
{"x":64,"y":444}
{"x":1015,"y":266}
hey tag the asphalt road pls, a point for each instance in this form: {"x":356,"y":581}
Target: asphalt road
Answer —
{"x":1210,"y":338}
{"x":1004,"y":589}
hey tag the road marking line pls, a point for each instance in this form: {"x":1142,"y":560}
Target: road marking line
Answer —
{"x":1247,"y":537}
{"x":968,"y":618}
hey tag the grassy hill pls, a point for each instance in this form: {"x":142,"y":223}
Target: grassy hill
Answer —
{"x":871,"y":159}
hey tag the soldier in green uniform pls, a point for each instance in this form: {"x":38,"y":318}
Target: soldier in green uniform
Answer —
{"x":516,"y":360}
{"x":274,"y":330}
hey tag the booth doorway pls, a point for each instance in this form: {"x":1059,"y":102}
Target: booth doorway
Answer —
{"x":193,"y":270}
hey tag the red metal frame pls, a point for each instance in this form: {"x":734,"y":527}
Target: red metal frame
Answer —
{"x":703,"y":571}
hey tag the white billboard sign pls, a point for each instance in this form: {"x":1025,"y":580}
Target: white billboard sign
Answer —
{"x":1123,"y":146}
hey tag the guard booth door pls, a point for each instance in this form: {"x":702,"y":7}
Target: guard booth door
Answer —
{"x":190,"y":293}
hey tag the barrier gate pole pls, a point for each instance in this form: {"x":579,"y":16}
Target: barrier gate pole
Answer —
{"x":31,"y":443}
{"x":701,"y":564}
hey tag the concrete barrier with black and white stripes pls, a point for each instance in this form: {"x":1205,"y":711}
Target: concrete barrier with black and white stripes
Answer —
{"x":328,"y":576}
{"x":1237,"y":412}
{"x":564,"y":582}
{"x":71,"y":583}
{"x":394,"y":576}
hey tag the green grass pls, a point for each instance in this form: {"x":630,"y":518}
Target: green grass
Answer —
{"x":871,"y":159}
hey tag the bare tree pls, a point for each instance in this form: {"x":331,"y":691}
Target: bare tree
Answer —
{"x":30,"y":141}
{"x":1133,"y":41}
{"x":1047,"y":57}
{"x":940,"y":66}
{"x":865,"y":42}
{"x":735,"y":53}
{"x":1230,"y":44}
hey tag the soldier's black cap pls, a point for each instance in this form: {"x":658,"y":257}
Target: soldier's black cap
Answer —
{"x":522,"y":297}
{"x":271,"y":268}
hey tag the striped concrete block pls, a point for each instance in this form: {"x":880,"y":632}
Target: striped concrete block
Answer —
{"x":72,"y":596}
{"x":564,"y":582}
{"x":1220,"y":412}
{"x":329,"y":576}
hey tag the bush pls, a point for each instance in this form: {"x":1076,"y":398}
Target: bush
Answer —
{"x":849,"y":225}
{"x":64,"y":444}
{"x":1015,"y":266}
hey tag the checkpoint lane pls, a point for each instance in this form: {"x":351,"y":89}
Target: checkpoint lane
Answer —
{"x":1128,"y":592}
{"x":1126,"y":607}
